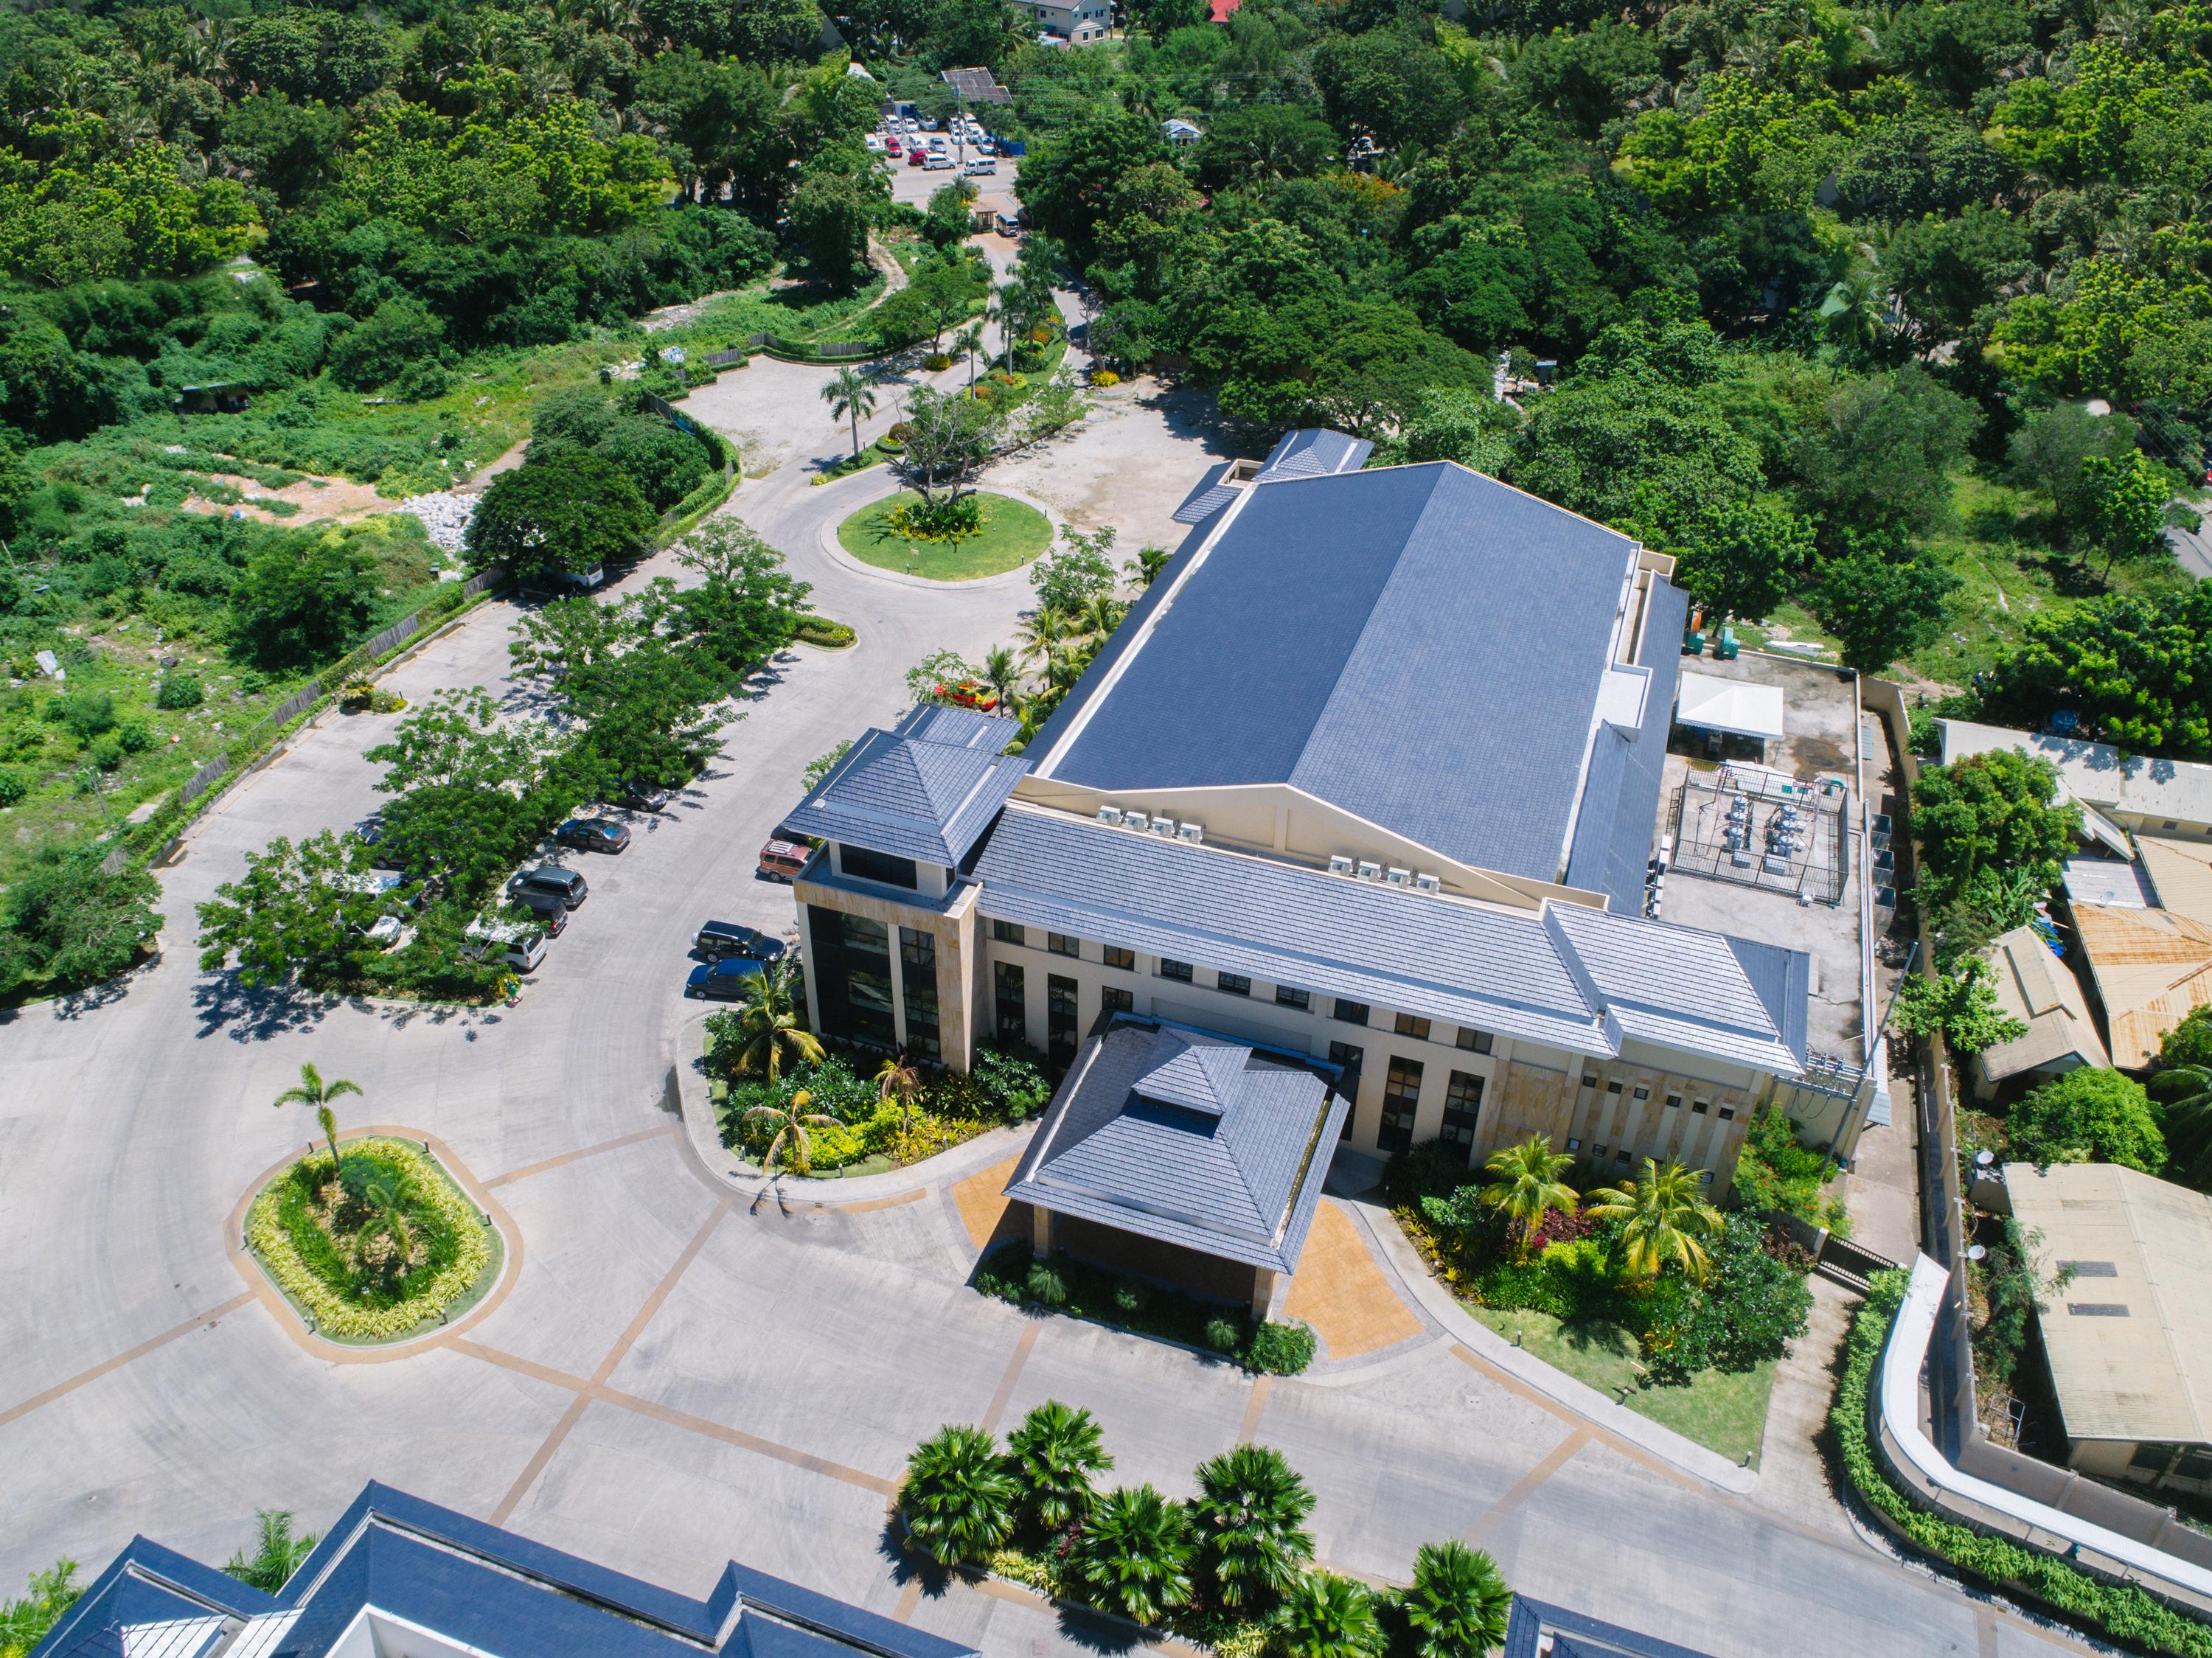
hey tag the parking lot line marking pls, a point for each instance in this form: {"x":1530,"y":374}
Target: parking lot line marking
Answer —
{"x":1526,"y":1486}
{"x":530,"y":1168}
{"x":1013,"y":1374}
{"x":1634,"y":1453}
{"x":1254,"y":1408}
{"x":908,"y":1599}
{"x":538,"y":1459}
{"x":61,"y":1388}
{"x":1985,"y":1631}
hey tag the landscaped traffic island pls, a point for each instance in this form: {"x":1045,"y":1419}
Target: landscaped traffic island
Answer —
{"x":381,"y":1249}
{"x":1008,"y":536}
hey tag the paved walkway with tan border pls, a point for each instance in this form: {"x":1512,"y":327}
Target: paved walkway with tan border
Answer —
{"x":1343,"y":1293}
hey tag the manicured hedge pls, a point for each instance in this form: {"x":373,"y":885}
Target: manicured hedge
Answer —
{"x":2122,"y":1612}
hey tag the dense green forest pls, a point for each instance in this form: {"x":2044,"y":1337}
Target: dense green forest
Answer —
{"x":1891,"y":321}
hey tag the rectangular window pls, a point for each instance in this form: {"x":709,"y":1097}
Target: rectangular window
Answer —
{"x":1675,"y":1102}
{"x":861,"y":933}
{"x":1612,"y":1088}
{"x":1234,"y":984}
{"x":1009,"y":932}
{"x":1699,"y":1107}
{"x":1124,"y":959}
{"x":1179,"y":971}
{"x":1351,"y":1012}
{"x":1597,"y":1154}
{"x":1111,"y":1000}
{"x":865,"y":866}
{"x":1064,"y":943}
{"x":1475,"y":1042}
{"x":1401,"y":1099}
{"x":1289,"y":996}
{"x":1345,"y":1055}
{"x":1621,"y":1156}
{"x":1462,"y":1107}
{"x":918,"y":980}
{"x":1060,"y":1021}
{"x":853,"y":978}
{"x":1410,"y":1026}
{"x":1726,"y":1113}
{"x":1013,"y":1004}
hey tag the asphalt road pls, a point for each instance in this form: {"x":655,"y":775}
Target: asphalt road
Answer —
{"x":678,"y":1377}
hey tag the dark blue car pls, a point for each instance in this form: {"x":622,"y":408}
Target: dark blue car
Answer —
{"x":725,"y":981}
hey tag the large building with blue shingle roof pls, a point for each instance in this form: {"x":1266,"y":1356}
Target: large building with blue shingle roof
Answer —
{"x":1368,"y":778}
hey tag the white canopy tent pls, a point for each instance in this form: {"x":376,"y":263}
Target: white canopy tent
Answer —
{"x":1736,"y":707}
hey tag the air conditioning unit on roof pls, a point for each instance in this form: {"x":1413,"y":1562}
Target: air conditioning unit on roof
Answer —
{"x":1369,"y":870}
{"x":1427,"y":882}
{"x":1338,"y":863}
{"x":1111,"y":816}
{"x":1163,"y":826}
{"x":1399,"y":877}
{"x":1193,"y":833}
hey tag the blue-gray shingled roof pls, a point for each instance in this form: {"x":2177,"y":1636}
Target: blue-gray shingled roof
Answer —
{"x":1314,"y":451}
{"x":1188,"y":1137}
{"x":1568,"y":976}
{"x":1421,"y":646}
{"x":1619,"y":814}
{"x":959,"y":728}
{"x":919,"y":796}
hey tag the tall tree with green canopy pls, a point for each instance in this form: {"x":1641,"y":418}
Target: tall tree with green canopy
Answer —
{"x":1458,"y":1604}
{"x":572,"y":512}
{"x":1326,"y":1616}
{"x":1250,"y":1516}
{"x":1881,"y":608}
{"x":1525,"y":1184}
{"x":1053,"y":1455}
{"x":1663,"y":1220}
{"x":1988,"y":816}
{"x":1742,"y":558}
{"x":2089,"y":1115}
{"x":1136,"y":1553}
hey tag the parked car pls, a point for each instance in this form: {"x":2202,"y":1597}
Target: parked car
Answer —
{"x":873,"y":142}
{"x":566,"y":884}
{"x":938,"y":161}
{"x":1009,"y":225}
{"x":548,"y":909}
{"x":782,"y":860}
{"x":385,"y":932}
{"x":643,"y":797}
{"x":592,"y":834}
{"x":982,"y":164}
{"x":917,"y":157}
{"x":718,"y":939}
{"x":725,"y":981}
{"x":503,"y":941}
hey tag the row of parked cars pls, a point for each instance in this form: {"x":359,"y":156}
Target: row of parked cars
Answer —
{"x":731,"y":956}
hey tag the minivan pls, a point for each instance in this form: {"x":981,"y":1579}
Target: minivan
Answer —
{"x":501,"y":941}
{"x":551,"y":878}
{"x":782,"y":860}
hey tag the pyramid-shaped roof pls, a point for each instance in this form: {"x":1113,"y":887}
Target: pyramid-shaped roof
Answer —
{"x":927,"y":791}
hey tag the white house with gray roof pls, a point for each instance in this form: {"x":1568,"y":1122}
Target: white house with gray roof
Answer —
{"x":1369,"y":777}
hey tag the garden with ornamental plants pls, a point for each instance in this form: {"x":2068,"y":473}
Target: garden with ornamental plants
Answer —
{"x":1230,"y":1567}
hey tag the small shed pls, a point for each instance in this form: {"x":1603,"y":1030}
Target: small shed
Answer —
{"x":1730,"y":708}
{"x":1180,"y":132}
{"x":2037,"y":988}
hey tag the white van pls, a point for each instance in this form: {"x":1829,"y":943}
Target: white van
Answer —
{"x":520,"y":947}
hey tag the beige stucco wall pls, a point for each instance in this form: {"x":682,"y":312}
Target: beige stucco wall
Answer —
{"x":954,"y":929}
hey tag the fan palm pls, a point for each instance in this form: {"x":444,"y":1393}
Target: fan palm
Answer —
{"x":1053,"y":1454}
{"x":1663,"y":1219}
{"x":1136,"y":1553}
{"x":850,"y":396}
{"x":1250,"y":1510}
{"x":1144,"y":568}
{"x":316,"y":1095}
{"x":958,"y":1499}
{"x":2183,"y":1099}
{"x":1459,"y":1603}
{"x":768,"y":1029}
{"x":1526,"y":1186}
{"x":1325,"y":1615}
{"x":897,"y":1078}
{"x":791,"y":1121}
{"x":278,"y":1556}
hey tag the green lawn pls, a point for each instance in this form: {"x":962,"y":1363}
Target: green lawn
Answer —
{"x":1724,"y":1413}
{"x":1011,"y":535}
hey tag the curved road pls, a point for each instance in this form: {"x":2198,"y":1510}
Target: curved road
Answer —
{"x":678,"y":1377}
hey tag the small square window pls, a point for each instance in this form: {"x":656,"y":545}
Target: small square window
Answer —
{"x":1675,"y":1102}
{"x":1410,"y":1026}
{"x":1699,"y":1107}
{"x":1704,"y":1177}
{"x":1597,"y":1154}
{"x":1124,"y":959}
{"x":1009,"y":932}
{"x":1064,"y":943}
{"x":1612,"y":1088}
{"x":1641,"y":1094}
{"x":1726,"y":1113}
{"x":1621,"y":1156}
{"x":1589,"y":1082}
{"x":1179,"y":970}
{"x":2170,"y":823}
{"x":1475,"y":1042}
{"x":1234,"y":984}
{"x":1351,"y":1012}
{"x":1290,"y":996}
{"x":1574,"y":1144}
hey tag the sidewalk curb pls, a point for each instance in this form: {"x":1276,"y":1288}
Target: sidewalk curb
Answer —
{"x":826,"y":538}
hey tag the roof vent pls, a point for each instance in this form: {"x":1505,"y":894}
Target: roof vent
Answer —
{"x":1338,"y":863}
{"x":1369,"y":870}
{"x":1399,"y":877}
{"x":1163,"y":826}
{"x":1111,"y":816}
{"x":1427,"y":882}
{"x":1193,"y":833}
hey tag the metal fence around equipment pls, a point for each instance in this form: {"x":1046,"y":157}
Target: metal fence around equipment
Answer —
{"x":354,"y":661}
{"x":836,"y":348}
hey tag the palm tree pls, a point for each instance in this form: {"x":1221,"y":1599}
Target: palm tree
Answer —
{"x":768,"y":1029}
{"x":897,"y":1078}
{"x":1459,"y":1603}
{"x":1136,"y":1553}
{"x":791,"y":1121}
{"x":850,"y":396}
{"x":1663,"y":1219}
{"x":1325,"y":1615}
{"x":316,"y":1095}
{"x":1144,"y":568}
{"x":386,"y":1240}
{"x":1527,"y":1187}
{"x":958,"y":1499}
{"x":1054,"y":1453}
{"x":1041,"y":635}
{"x":279,"y":1554}
{"x":1101,"y":615}
{"x":1003,"y":674}
{"x":2183,"y":1100}
{"x":1251,"y":1513}
{"x":967,"y":343}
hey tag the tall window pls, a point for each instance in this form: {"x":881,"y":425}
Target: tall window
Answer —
{"x":1345,"y":1055}
{"x":862,"y":961}
{"x":1401,"y":1100}
{"x":1013,"y":1004}
{"x":1060,"y":1021}
{"x":918,"y":980}
{"x":1462,"y":1106}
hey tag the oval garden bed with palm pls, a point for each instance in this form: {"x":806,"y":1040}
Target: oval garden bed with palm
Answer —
{"x":373,"y":1240}
{"x":978,"y":534}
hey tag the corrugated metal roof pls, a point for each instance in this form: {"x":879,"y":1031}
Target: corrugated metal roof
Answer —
{"x":2151,"y":967}
{"x":926,"y":800}
{"x":1420,"y":645}
{"x":2180,"y":872}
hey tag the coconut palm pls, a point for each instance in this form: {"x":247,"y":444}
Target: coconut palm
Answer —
{"x":1663,"y":1219}
{"x":850,"y":396}
{"x":386,"y":1240}
{"x":789,"y":1146}
{"x":1136,"y":1553}
{"x":1459,"y":1603}
{"x":2183,"y":1099}
{"x":1526,"y":1186}
{"x":958,"y":1499}
{"x":1054,"y":1453}
{"x":1144,"y":568}
{"x":768,"y":1029}
{"x":1003,"y":674}
{"x":897,"y":1078}
{"x":969,"y":343}
{"x":1325,"y":1615}
{"x":1250,"y":1512}
{"x":279,"y":1553}
{"x":1101,"y":615}
{"x":1043,"y":633}
{"x":316,"y":1095}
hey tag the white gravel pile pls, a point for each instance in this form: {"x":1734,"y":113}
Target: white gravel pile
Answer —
{"x":445,"y":516}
